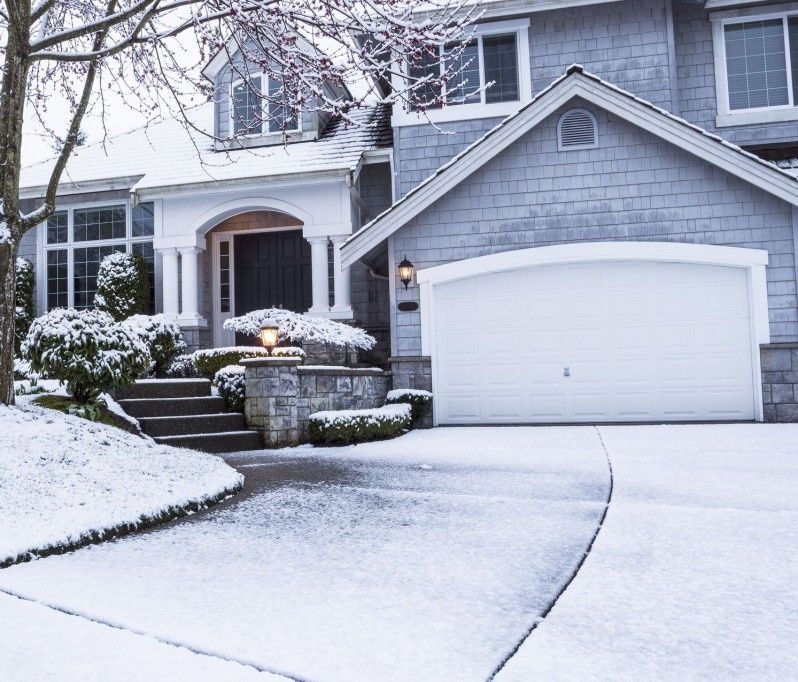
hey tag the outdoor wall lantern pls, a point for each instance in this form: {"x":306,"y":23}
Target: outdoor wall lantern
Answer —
{"x":406,"y":272}
{"x":269,"y":337}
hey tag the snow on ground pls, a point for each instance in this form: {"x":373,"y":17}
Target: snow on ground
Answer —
{"x":38,"y":643}
{"x":64,"y":477}
{"x":421,"y":558}
{"x":693,"y":574}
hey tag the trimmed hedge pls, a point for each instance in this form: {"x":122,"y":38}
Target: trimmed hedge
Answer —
{"x":419,"y":401}
{"x":230,"y":382}
{"x":207,"y":362}
{"x":343,"y":427}
{"x":123,"y":286}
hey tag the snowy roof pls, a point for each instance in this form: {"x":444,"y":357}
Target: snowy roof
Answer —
{"x":164,"y":154}
{"x":767,"y":175}
{"x":789,"y":165}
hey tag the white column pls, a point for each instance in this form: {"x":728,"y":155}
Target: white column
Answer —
{"x":189,"y":281}
{"x":341,"y":278}
{"x":169,"y":283}
{"x":320,"y":273}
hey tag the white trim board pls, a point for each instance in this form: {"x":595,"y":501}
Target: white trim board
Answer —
{"x":574,"y":84}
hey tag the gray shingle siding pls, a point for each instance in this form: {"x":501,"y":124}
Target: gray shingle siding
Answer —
{"x":696,"y":82}
{"x":634,"y":186}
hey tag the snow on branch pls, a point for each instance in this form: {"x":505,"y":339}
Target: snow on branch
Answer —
{"x":300,"y":328}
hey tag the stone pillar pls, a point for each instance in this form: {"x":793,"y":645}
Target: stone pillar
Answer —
{"x":320,"y":273}
{"x":414,"y":371}
{"x":171,"y":290}
{"x":341,"y":278}
{"x":189,"y":260}
{"x":270,"y":404}
{"x":780,"y":382}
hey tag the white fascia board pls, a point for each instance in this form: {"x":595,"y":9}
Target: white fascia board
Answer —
{"x":499,"y":8}
{"x":642,"y":114}
{"x":211,"y":186}
{"x":68,"y":187}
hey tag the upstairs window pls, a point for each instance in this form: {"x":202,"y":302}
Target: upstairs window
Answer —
{"x":757,"y":64}
{"x":490,"y":75}
{"x":255,"y":110}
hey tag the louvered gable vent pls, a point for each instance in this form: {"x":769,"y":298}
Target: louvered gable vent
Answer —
{"x":577,"y":129}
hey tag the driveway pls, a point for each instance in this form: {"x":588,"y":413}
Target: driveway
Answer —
{"x":432,"y":556}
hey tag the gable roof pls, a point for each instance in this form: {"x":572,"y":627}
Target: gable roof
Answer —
{"x":576,"y":82}
{"x":165,"y":155}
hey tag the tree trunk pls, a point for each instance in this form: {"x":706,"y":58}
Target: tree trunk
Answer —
{"x":7,"y":307}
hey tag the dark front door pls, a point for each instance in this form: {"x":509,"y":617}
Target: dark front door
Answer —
{"x":272,"y":270}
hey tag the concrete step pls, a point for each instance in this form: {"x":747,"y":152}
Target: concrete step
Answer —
{"x":195,"y":424}
{"x":231,"y":441}
{"x":171,"y":407}
{"x":165,"y":388}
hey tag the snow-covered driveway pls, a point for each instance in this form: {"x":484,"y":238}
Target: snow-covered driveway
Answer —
{"x":430,"y":556}
{"x":422,"y":558}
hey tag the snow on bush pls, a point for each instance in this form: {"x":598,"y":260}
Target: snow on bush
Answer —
{"x":85,"y":349}
{"x":22,"y":370}
{"x":230,"y":382}
{"x":68,"y":481}
{"x":342,"y":427}
{"x":24,"y":310}
{"x":418,"y":400}
{"x":163,"y":338}
{"x":300,"y":328}
{"x":123,"y":286}
{"x":182,"y":367}
{"x":208,"y":361}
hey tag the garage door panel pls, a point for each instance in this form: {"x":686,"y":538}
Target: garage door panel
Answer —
{"x":643,"y":341}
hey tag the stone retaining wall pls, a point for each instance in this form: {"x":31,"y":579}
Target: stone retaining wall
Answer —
{"x":780,"y":382}
{"x":414,"y":371}
{"x":281,"y":395}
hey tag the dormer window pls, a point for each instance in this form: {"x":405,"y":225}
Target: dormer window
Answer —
{"x":254,"y":114}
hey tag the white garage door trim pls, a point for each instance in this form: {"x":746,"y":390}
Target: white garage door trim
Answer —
{"x":753,"y":261}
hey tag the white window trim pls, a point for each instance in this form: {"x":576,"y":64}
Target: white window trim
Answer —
{"x":577,"y":147}
{"x":726,"y":116}
{"x":264,"y":114}
{"x":462,"y":112}
{"x":71,"y":244}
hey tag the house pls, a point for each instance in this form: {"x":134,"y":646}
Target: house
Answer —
{"x":606,"y":233}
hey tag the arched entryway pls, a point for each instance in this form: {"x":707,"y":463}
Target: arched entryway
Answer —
{"x":260,"y":260}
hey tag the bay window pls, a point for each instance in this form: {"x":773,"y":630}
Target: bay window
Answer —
{"x":77,"y":239}
{"x":490,"y":76}
{"x":756,"y":65}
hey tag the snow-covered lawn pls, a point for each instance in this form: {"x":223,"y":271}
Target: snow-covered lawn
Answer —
{"x":693,"y":574}
{"x":420,"y":558}
{"x":65,"y":479}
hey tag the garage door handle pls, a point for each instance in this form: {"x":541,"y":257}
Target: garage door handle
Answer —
{"x":566,"y":371}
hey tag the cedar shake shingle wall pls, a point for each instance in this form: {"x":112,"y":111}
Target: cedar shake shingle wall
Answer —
{"x":257,"y":220}
{"x":634,"y":186}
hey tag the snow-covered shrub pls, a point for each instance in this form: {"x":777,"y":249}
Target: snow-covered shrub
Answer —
{"x":22,"y":370}
{"x":418,"y":400}
{"x":230,"y":382}
{"x":182,"y":367}
{"x":24,"y":311}
{"x":299,"y":328}
{"x":85,"y":349}
{"x":163,"y":338}
{"x":123,"y":286}
{"x":342,"y":427}
{"x":208,"y":361}
{"x":288,"y":352}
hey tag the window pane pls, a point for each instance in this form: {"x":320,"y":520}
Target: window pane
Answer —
{"x":145,"y":250}
{"x":57,"y":228}
{"x":465,"y":70}
{"x":57,"y":279}
{"x":756,"y":64}
{"x":792,"y":26}
{"x":92,"y":224}
{"x":280,"y":116}
{"x":247,"y":107}
{"x":86,"y":263}
{"x":429,"y":65}
{"x":224,"y":276}
{"x":501,"y":67}
{"x":144,"y":219}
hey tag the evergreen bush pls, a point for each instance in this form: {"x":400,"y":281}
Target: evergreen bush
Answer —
{"x":123,"y":286}
{"x":25,"y":310}
{"x":343,"y":427}
{"x":163,"y":338}
{"x":230,"y":382}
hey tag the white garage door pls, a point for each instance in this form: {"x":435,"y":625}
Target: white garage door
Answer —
{"x":601,"y":341}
